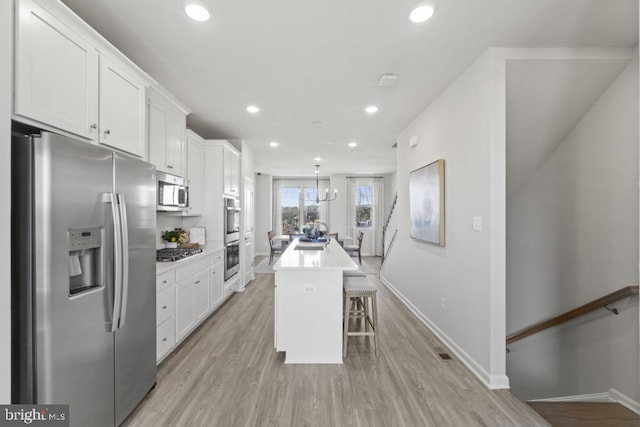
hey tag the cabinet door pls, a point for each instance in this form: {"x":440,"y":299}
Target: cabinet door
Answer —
{"x":122,"y":109}
{"x":217,"y":285}
{"x":185,"y":318}
{"x":175,"y":145}
{"x":158,"y":137}
{"x":231,"y":165}
{"x":165,"y":338}
{"x":195,"y":176}
{"x":226,"y":165}
{"x":201,"y":293}
{"x":235,"y":174}
{"x":56,"y":73}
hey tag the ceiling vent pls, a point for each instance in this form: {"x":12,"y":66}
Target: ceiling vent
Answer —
{"x":387,"y":80}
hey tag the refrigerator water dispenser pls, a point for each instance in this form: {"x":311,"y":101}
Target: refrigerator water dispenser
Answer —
{"x":85,"y":260}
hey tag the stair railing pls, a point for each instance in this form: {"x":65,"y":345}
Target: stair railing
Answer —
{"x":596,"y":304}
{"x":386,"y":225}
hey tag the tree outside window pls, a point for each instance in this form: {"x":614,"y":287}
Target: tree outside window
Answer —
{"x":290,"y":210}
{"x":311,"y":208}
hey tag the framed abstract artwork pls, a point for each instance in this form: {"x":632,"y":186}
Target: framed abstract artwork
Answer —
{"x":426,"y":202}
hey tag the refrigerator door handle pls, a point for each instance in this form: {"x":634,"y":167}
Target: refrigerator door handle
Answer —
{"x":117,"y":258}
{"x":124,"y":231}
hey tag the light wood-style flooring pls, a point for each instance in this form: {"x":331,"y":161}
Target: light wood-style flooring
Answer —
{"x":228,"y":374}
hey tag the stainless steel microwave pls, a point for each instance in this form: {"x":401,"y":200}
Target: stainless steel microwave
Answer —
{"x":173,"y":194}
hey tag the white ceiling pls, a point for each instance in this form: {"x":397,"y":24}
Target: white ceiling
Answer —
{"x":304,"y":61}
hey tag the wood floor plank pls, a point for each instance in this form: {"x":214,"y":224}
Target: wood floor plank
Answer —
{"x":227,"y":373}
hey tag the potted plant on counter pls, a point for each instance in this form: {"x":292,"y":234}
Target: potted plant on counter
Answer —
{"x":173,"y":237}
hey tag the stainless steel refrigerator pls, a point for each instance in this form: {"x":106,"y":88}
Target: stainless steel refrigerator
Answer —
{"x":83,"y":278}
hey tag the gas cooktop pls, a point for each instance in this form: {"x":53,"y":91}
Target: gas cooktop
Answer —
{"x":167,"y":255}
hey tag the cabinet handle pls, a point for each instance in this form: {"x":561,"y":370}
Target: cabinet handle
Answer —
{"x":169,"y":167}
{"x":107,"y":132}
{"x":164,"y":307}
{"x":164,"y":340}
{"x":93,"y":127}
{"x":198,"y":281}
{"x":164,"y":281}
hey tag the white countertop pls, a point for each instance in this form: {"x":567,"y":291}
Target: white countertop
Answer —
{"x":332,"y":257}
{"x":162,"y":267}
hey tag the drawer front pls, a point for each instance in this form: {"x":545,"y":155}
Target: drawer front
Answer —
{"x":217,"y":258}
{"x":196,"y":266}
{"x":165,"y":338}
{"x":165,"y":304}
{"x":165,"y":279}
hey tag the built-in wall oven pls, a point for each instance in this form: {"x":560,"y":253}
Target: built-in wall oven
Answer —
{"x":231,"y":236}
{"x":231,"y":219}
{"x":231,"y":259}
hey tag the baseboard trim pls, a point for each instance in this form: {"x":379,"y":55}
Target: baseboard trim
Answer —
{"x":624,"y":400}
{"x":612,"y":395}
{"x":592,"y":397}
{"x":492,"y":382}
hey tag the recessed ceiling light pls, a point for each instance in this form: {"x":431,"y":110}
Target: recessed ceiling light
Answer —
{"x":371,"y":109}
{"x":352,"y":144}
{"x":421,"y":13}
{"x":317,"y":159}
{"x":197,"y":12}
{"x":253,"y":109}
{"x":273,"y":144}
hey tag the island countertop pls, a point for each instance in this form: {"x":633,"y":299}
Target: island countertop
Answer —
{"x":331,"y":257}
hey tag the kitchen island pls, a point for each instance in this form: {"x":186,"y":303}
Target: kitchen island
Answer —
{"x":308,"y":301}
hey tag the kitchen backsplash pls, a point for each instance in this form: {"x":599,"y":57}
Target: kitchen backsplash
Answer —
{"x":164,"y":222}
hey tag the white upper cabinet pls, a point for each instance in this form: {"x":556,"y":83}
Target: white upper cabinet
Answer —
{"x":56,"y":73}
{"x":231,"y":172}
{"x":167,"y":126}
{"x":122,"y":109}
{"x":195,"y":173}
{"x":67,"y":77}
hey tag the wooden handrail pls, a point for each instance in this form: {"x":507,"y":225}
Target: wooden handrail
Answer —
{"x":572,"y":314}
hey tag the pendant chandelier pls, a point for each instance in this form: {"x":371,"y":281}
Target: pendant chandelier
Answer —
{"x":326,"y":197}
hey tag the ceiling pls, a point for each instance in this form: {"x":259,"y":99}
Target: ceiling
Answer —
{"x":303,"y":62}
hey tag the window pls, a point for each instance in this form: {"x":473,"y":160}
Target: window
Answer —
{"x":295,"y":205}
{"x":290,"y":216}
{"x":311,"y":208}
{"x":364,"y":205}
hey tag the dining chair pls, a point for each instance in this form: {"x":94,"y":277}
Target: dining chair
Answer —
{"x":333,"y":236}
{"x":355,"y":249}
{"x":276,"y":247}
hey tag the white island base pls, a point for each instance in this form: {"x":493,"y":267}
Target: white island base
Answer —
{"x":308,"y":304}
{"x":309,"y":316}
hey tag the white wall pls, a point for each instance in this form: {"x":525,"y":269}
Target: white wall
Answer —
{"x":459,"y":127}
{"x":338,"y":210}
{"x":264,"y":212}
{"x":6,"y":97}
{"x":572,"y":236}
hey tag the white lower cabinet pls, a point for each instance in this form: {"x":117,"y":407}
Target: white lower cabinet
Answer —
{"x":201,"y":294}
{"x":186,"y":295}
{"x":165,"y":338}
{"x":185,"y":318}
{"x":217,"y":280}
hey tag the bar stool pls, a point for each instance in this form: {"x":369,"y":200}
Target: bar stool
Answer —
{"x":361,"y":291}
